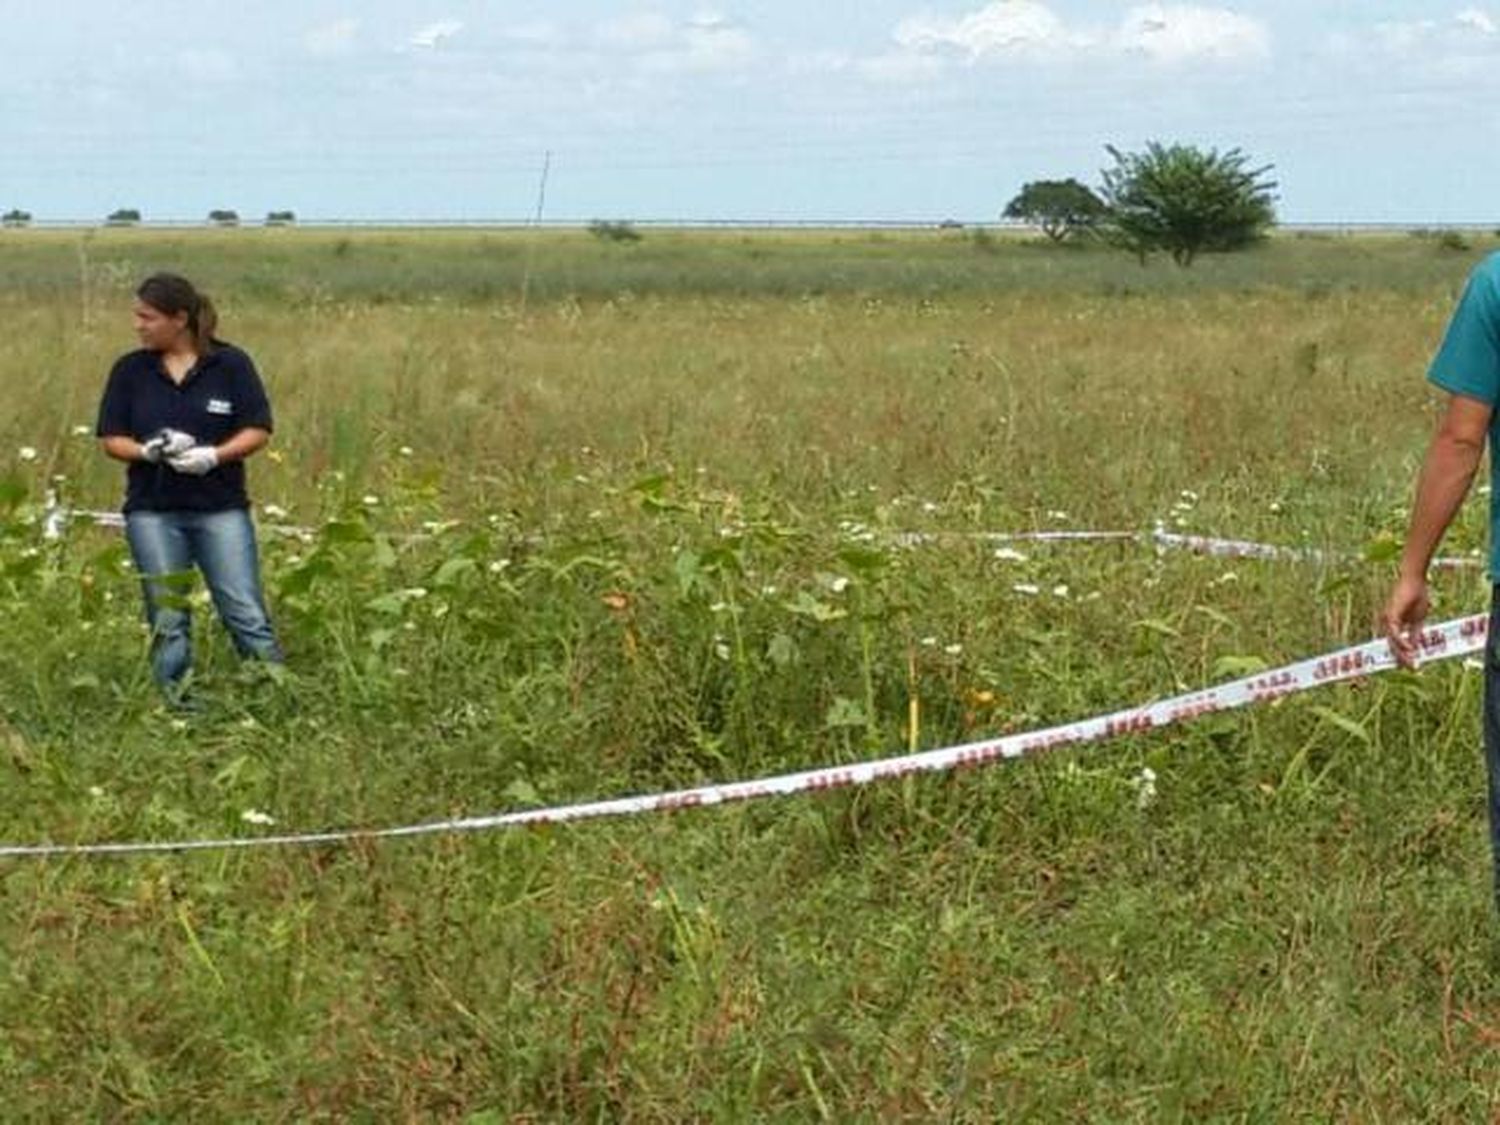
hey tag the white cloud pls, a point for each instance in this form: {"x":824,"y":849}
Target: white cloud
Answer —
{"x":1459,"y":33}
{"x":434,"y":34}
{"x":1478,"y":19}
{"x":1003,"y":27}
{"x":1180,"y":32}
{"x":331,"y":38}
{"x":1031,"y":29}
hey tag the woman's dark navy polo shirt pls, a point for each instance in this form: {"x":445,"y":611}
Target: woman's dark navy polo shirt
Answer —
{"x":220,"y":396}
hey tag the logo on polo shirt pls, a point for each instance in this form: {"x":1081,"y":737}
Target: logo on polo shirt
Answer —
{"x":220,"y":406}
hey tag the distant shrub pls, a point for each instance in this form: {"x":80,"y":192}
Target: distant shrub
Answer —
{"x":123,"y":217}
{"x":281,"y":218}
{"x":224,"y":218}
{"x":16,"y":218}
{"x":613,"y":231}
{"x":1454,"y":241}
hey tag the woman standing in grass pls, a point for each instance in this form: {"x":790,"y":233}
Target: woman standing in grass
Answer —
{"x":184,"y":412}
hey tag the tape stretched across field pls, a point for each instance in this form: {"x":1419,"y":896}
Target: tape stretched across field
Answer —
{"x":56,"y":520}
{"x":1452,"y":639}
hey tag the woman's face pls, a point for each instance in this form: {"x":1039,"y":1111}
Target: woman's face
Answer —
{"x":156,"y":330}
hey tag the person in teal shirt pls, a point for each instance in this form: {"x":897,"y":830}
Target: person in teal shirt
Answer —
{"x":1467,"y":367}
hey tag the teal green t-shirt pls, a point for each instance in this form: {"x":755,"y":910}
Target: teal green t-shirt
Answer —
{"x":1468,"y":364}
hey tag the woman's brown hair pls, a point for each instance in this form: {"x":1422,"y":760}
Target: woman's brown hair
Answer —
{"x":172,"y":293}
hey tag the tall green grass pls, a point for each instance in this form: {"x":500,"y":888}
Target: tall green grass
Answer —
{"x":652,"y":547}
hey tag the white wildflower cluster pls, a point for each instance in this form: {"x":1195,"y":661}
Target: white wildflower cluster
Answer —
{"x":27,"y":453}
{"x":1009,"y":554}
{"x":255,"y":816}
{"x":274,"y":511}
{"x":856,"y":531}
{"x":1187,"y":502}
{"x":1057,"y":515}
{"x":1144,"y":784}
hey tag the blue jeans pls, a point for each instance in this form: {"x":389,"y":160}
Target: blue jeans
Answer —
{"x":166,"y":546}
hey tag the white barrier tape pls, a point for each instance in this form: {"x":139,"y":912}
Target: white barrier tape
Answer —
{"x":56,"y":520}
{"x":1443,"y":642}
{"x":1167,"y":540}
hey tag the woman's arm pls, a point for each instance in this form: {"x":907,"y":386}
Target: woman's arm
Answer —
{"x":122,"y":448}
{"x":245,"y":442}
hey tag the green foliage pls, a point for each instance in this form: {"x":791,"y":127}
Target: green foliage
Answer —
{"x":644,"y":533}
{"x":221,"y":217}
{"x":612,"y":231}
{"x":123,"y":217}
{"x":1062,"y":208}
{"x":281,"y":218}
{"x":1186,"y":201}
{"x":16,"y":217}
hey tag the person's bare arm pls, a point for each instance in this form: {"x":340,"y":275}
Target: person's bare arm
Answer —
{"x":1447,"y":472}
{"x":246,"y":442}
{"x":122,"y":447}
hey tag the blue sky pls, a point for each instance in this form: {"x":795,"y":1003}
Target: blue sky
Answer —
{"x":883,"y":109}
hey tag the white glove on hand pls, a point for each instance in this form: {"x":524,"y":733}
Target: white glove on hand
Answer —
{"x":165,"y":444}
{"x":195,"y":461}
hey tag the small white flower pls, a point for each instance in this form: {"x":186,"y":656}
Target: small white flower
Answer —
{"x":839,"y":584}
{"x":718,"y":607}
{"x":581,"y":478}
{"x":1145,"y":787}
{"x":1178,"y":521}
{"x":1189,"y":494}
{"x":83,"y":431}
{"x":273,"y":511}
{"x":255,"y":816}
{"x":1484,"y":490}
{"x":1060,"y":591}
{"x":929,"y":507}
{"x":405,"y":451}
{"x":1058,"y":515}
{"x":1009,"y":554}
{"x":1275,"y":507}
{"x":721,"y":650}
{"x":768,"y":591}
{"x":499,"y":566}
{"x":1474,"y":665}
{"x":26,"y":453}
{"x":96,"y":791}
{"x":415,"y":593}
{"x":1094,"y":597}
{"x":1027,"y":589}
{"x":1182,"y":506}
{"x":179,"y":724}
{"x":369,"y":500}
{"x":928,"y":642}
{"x":953,"y":649}
{"x":596,"y":514}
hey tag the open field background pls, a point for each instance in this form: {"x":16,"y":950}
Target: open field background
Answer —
{"x":645,"y":500}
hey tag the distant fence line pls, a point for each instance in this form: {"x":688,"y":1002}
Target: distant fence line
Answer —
{"x":1351,"y":227}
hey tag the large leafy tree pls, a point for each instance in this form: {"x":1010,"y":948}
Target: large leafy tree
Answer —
{"x":1060,"y":207}
{"x":1186,"y":201}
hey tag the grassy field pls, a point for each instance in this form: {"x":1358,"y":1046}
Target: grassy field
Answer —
{"x":633,"y":533}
